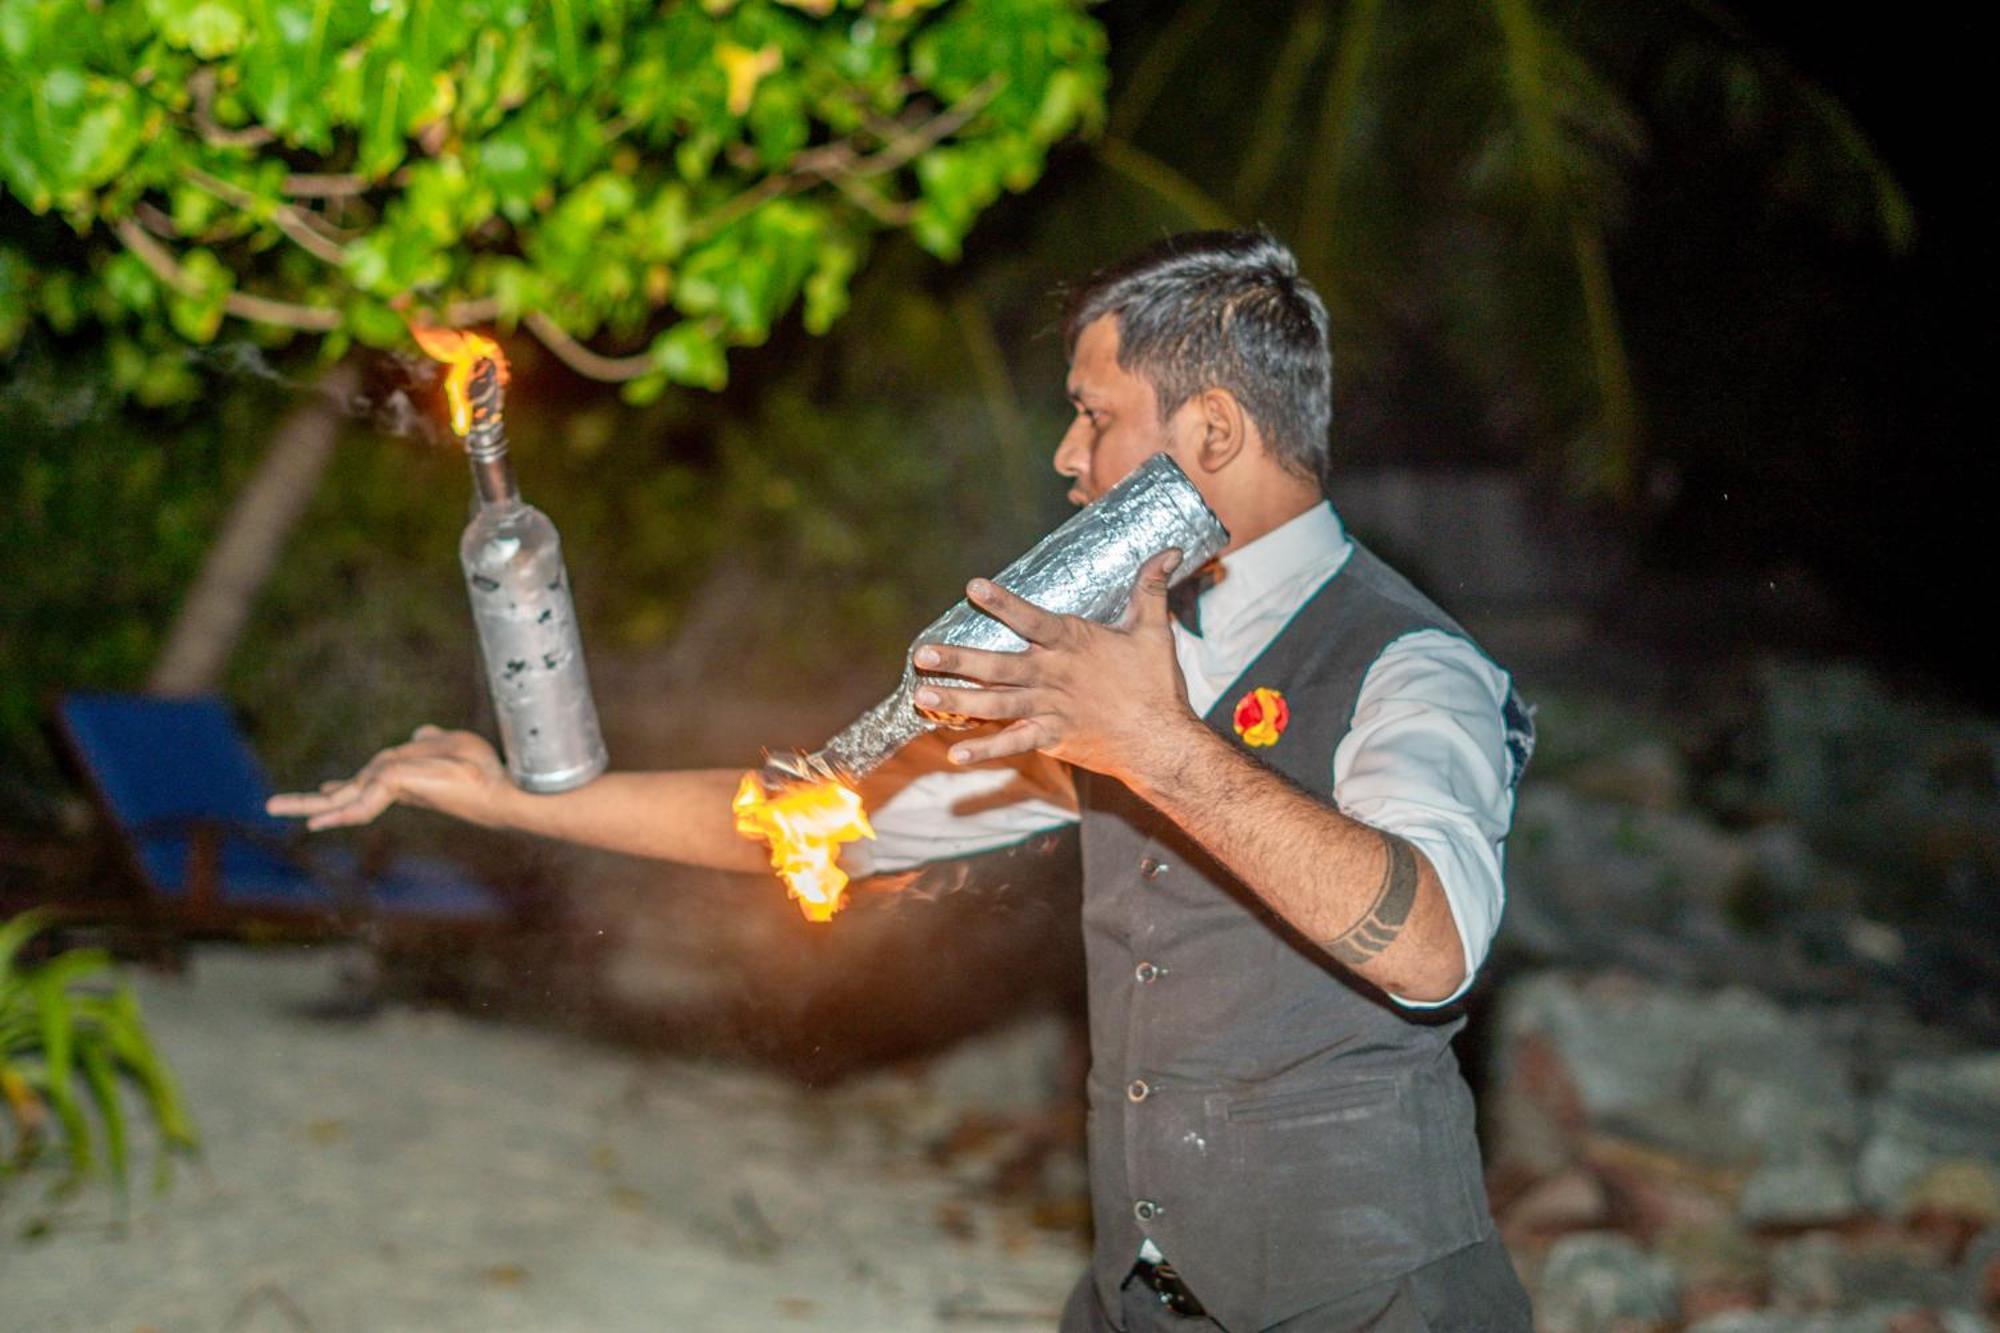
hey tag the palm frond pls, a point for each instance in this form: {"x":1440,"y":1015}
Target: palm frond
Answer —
{"x":1563,"y":114}
{"x":1317,"y":218}
{"x":1274,"y":119}
{"x":1156,"y":68}
{"x":1162,"y":181}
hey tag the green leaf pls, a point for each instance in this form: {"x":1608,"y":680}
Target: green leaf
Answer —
{"x":376,"y":325}
{"x":15,"y":932}
{"x":382,"y":143}
{"x":103,"y":1082}
{"x":778,"y":122}
{"x":196,"y":313}
{"x":56,"y":1077}
{"x":827,"y":288}
{"x":209,"y":28}
{"x":688,"y":353}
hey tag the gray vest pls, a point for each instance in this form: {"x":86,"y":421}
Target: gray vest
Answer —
{"x":1284,"y":1133}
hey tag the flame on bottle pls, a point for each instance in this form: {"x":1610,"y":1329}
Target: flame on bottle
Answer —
{"x":804,"y":824}
{"x":462,"y":350}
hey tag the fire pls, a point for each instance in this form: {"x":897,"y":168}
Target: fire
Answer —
{"x":462,"y":351}
{"x":804,"y":825}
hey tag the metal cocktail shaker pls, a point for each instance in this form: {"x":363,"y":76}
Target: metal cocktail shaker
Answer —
{"x":521,"y":606}
{"x":1087,"y":567}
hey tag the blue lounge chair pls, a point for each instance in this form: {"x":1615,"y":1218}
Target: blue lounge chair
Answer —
{"x":181,"y":786}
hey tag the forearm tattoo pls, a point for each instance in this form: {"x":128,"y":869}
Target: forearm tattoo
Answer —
{"x":1388,"y":914}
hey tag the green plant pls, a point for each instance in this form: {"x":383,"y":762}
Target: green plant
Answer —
{"x":66,"y":1044}
{"x":666,"y":180}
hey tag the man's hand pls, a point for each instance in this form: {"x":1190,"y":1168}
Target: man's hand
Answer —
{"x":454,"y":772}
{"x":1109,"y":699}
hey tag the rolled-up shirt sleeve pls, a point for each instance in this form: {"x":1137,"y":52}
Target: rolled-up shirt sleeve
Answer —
{"x":925,"y":808}
{"x":1429,"y":758}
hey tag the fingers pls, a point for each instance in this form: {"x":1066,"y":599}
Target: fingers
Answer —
{"x":359,"y":799}
{"x":335,"y":805}
{"x":988,"y":705}
{"x":1149,"y":594}
{"x":295,"y":803}
{"x":373,"y":799}
{"x":1156,"y":573}
{"x":1020,"y":738}
{"x":976,"y":664}
{"x":1016,"y":613}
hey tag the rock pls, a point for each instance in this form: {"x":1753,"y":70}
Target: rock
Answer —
{"x":1929,"y":1113}
{"x":1018,"y":1069}
{"x":1599,"y":1279}
{"x":1573,"y":1200}
{"x":1875,"y":1319}
{"x":1805,"y":1273}
{"x":1604,"y":866}
{"x":1785,"y":862}
{"x":1821,"y":1271}
{"x":1962,"y":1189}
{"x":1721,"y":1266}
{"x":1647,"y":775}
{"x":1810,"y":1189}
{"x":1979,"y":1273}
{"x":1536,"y":1111}
{"x":1723,"y":1077}
{"x":1655,"y":1192}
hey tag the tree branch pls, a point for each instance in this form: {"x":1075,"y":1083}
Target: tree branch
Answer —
{"x":478,"y":310}
{"x":589,"y":364}
{"x":309,"y":185}
{"x":290,"y":219}
{"x":934,"y":131}
{"x":896,"y":213}
{"x":832,"y":161}
{"x":201,"y":84}
{"x":257,"y":309}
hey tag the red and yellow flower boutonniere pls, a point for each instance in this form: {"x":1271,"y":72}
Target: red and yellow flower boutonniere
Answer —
{"x":1261,"y":716}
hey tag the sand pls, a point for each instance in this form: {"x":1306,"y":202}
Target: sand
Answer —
{"x":422,"y":1169}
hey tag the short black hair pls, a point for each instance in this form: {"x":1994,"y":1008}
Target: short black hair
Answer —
{"x":1222,"y":310}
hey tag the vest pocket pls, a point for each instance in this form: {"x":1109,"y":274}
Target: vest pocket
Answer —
{"x":1343,"y":1101}
{"x":1342,"y":1182}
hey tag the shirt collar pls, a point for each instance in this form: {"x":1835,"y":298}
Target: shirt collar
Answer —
{"x":1314,"y":543}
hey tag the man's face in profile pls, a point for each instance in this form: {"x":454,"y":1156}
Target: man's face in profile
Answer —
{"x":1117,"y":425}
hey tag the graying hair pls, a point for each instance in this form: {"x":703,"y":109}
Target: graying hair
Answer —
{"x":1222,"y":310}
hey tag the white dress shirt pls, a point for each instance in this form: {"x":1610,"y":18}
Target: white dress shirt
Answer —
{"x":1425,"y":756}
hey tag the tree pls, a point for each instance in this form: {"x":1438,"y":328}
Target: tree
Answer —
{"x":641,"y":187}
{"x":668,"y":180}
{"x":1452,"y":175}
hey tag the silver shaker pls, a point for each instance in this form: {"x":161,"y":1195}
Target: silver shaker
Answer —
{"x":1087,"y":567}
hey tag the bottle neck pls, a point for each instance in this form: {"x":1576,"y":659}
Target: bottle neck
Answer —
{"x":493,"y":480}
{"x":486,"y":441}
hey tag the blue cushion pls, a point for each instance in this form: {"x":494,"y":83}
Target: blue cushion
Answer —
{"x":163,"y":763}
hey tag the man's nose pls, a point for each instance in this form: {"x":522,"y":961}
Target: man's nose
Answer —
{"x":1070,"y":453}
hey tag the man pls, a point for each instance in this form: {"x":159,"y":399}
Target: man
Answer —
{"x":1291,"y":816}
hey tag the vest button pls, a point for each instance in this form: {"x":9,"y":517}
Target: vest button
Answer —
{"x":1146,"y":972}
{"x":1152,"y":867}
{"x":1146,"y":1210}
{"x":1138,"y":1090}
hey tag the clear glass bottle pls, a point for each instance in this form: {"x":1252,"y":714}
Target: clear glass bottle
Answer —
{"x":521,"y":607}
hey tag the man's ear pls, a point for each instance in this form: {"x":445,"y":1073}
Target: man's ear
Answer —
{"x":1225,"y":429}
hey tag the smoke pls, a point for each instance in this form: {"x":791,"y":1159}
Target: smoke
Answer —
{"x":396,"y":397}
